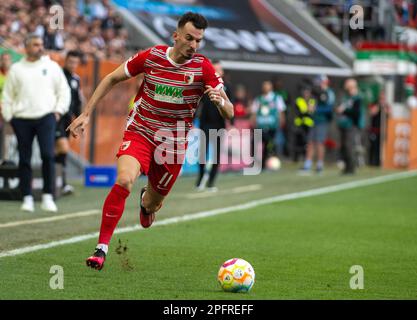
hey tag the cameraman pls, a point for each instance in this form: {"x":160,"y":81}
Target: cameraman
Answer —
{"x":322,"y":116}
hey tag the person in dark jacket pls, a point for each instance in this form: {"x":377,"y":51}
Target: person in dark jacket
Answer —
{"x":349,"y":117}
{"x":62,"y":147}
{"x":210,"y":119}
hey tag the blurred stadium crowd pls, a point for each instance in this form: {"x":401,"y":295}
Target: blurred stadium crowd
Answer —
{"x":97,"y":30}
{"x":334,"y":15}
{"x":92,"y":27}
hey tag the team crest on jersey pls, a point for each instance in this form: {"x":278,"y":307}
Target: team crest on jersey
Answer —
{"x":188,"y":77}
{"x":125,"y":145}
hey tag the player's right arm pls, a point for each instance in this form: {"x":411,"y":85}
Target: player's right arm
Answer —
{"x":131,"y":68}
{"x":80,"y":123}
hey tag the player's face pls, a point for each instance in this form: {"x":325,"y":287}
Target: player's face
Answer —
{"x":71,"y":63}
{"x":187,"y":40}
{"x":35,"y":49}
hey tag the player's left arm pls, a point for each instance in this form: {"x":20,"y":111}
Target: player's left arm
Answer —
{"x":215,"y":91}
{"x":221,"y":100}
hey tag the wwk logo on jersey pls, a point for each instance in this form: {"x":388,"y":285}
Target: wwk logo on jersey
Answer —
{"x":170,"y":94}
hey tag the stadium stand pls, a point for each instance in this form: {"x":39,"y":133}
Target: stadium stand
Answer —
{"x":93,"y":27}
{"x":110,"y":32}
{"x":334,"y":15}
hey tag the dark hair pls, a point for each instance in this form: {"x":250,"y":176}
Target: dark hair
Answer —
{"x":74,"y":53}
{"x":198,"y":20}
{"x":215,"y":61}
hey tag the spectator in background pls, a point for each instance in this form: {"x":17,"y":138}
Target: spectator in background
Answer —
{"x":241,"y":102}
{"x":53,"y":39}
{"x":349,"y":114}
{"x":268,"y":114}
{"x":413,"y":15}
{"x":403,"y":13}
{"x":333,"y":21}
{"x":62,"y":147}
{"x":282,"y":135}
{"x":303,"y":121}
{"x":35,"y":96}
{"x":377,"y":112}
{"x":210,"y":118}
{"x":322,"y":116}
{"x":18,"y":18}
{"x":5,"y":64}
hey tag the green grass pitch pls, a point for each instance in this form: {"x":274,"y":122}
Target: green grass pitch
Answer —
{"x":300,"y":249}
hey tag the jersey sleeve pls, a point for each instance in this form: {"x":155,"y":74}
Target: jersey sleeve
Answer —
{"x":210,"y":76}
{"x":136,"y":63}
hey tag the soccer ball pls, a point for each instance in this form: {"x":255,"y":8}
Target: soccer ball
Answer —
{"x":236,"y":275}
{"x":273,"y":163}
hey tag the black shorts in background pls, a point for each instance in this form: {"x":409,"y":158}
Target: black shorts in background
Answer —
{"x":62,"y":124}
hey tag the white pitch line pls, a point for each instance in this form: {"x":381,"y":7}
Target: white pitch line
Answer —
{"x":251,"y":187}
{"x":206,"y":194}
{"x":210,"y":213}
{"x":49,"y":219}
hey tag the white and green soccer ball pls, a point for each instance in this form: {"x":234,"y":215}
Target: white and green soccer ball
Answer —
{"x":236,"y":275}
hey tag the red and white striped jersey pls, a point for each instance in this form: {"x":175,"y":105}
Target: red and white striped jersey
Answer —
{"x":170,"y":93}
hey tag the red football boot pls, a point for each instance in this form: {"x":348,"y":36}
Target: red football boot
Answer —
{"x":96,"y":261}
{"x":146,"y":219}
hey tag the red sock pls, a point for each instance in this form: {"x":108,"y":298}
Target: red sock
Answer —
{"x":113,"y":208}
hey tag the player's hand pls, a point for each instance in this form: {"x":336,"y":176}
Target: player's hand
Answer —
{"x":214,"y":95}
{"x":77,"y":127}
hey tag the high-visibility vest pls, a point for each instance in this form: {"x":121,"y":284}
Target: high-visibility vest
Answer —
{"x":303,"y":117}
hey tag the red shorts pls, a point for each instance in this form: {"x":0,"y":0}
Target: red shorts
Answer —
{"x":161,"y":176}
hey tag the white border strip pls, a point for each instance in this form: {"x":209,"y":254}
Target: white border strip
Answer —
{"x":210,"y":213}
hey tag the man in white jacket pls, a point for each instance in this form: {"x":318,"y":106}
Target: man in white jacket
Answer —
{"x":35,"y":95}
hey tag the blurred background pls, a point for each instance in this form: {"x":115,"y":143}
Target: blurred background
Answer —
{"x":291,"y":43}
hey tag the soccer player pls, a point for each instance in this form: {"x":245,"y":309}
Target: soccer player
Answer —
{"x":175,"y":79}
